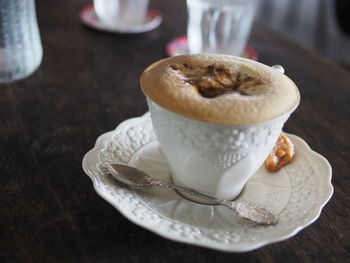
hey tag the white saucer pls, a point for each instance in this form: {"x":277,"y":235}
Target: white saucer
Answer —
{"x":89,"y":18}
{"x":296,"y":193}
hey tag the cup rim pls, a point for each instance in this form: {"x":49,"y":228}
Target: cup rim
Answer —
{"x":284,"y":115}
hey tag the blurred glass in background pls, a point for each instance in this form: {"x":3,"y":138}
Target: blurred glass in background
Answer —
{"x":20,"y":45}
{"x":219,"y":26}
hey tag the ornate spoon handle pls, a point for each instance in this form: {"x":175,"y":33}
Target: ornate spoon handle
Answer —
{"x":251,"y":211}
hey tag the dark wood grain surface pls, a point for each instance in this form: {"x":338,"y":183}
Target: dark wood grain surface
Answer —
{"x":87,"y":84}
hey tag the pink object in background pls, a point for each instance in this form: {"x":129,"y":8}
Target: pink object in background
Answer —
{"x":178,"y":46}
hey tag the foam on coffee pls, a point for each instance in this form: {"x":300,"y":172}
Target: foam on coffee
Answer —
{"x":219,"y":89}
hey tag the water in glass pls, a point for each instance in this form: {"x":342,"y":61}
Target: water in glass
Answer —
{"x":219,"y":26}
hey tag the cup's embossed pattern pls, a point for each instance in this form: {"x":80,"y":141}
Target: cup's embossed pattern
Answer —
{"x":228,"y":152}
{"x":210,"y":138}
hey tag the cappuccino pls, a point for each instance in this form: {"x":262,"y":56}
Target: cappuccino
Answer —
{"x":216,"y":118}
{"x":219,"y":89}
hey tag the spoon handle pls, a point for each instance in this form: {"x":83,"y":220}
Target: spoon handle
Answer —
{"x":251,"y":211}
{"x":188,"y":191}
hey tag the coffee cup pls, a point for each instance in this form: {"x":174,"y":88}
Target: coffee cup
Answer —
{"x":216,"y":117}
{"x":121,"y":13}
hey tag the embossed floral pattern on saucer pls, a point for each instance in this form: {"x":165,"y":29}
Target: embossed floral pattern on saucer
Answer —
{"x":296,"y":193}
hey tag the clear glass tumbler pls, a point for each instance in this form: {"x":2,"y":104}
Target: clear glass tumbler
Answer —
{"x":20,"y":45}
{"x":219,"y":26}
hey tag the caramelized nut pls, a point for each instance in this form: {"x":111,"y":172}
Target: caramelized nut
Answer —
{"x":282,"y":154}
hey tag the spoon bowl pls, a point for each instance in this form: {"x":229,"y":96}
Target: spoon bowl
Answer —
{"x":130,"y":176}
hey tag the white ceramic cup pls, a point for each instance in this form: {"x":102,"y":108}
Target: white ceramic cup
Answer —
{"x":121,"y":13}
{"x":219,"y":26}
{"x":211,"y":158}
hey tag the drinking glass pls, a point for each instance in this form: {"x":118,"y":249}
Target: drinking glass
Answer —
{"x":20,"y":45}
{"x":219,"y":26}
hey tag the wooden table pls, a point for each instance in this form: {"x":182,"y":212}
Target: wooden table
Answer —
{"x":87,"y":84}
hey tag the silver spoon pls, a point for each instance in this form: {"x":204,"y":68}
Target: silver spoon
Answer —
{"x":138,"y":179}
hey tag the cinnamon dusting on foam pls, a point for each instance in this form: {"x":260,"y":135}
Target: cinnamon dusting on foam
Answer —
{"x":212,"y":81}
{"x":219,"y":89}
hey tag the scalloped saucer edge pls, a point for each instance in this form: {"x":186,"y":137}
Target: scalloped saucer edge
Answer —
{"x":299,"y":193}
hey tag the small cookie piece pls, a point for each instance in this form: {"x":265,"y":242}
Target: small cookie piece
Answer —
{"x":282,"y":154}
